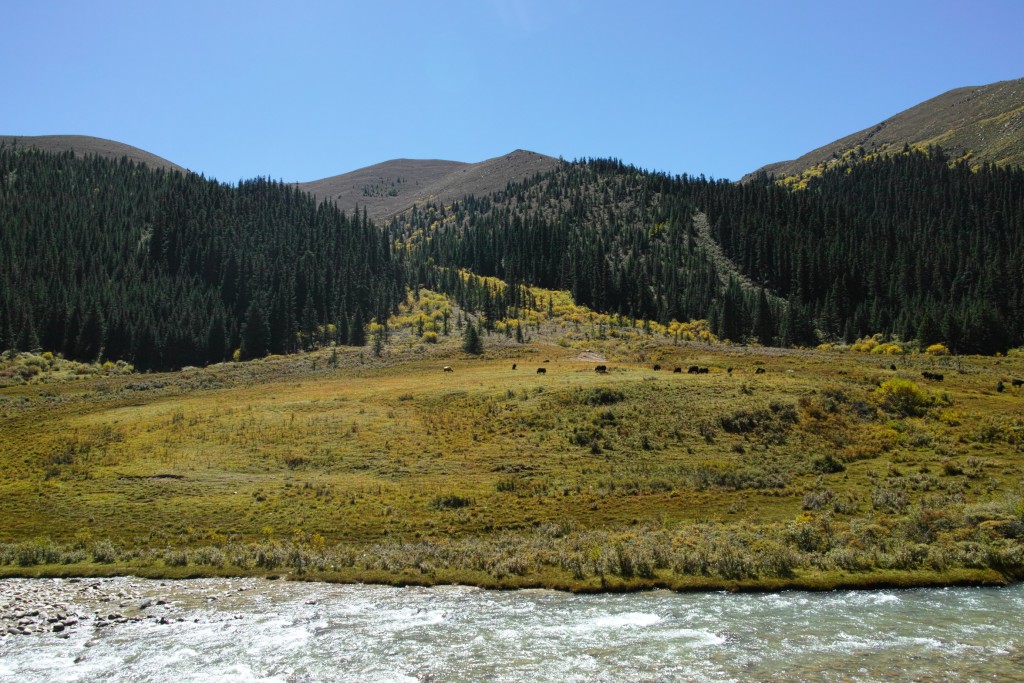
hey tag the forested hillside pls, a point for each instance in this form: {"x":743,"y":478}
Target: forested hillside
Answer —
{"x":103,"y":259}
{"x":621,"y":240}
{"x":108,"y":259}
{"x":905,"y":244}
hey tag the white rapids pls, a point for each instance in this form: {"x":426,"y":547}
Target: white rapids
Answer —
{"x":254,"y":630}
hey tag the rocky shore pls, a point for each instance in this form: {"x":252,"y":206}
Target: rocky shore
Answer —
{"x":62,"y":606}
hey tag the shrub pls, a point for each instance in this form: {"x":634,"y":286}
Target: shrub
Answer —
{"x":104,"y":552}
{"x":903,"y":397}
{"x":600,"y":396}
{"x":937,"y":350}
{"x":429,"y":338}
{"x":827,"y":464}
{"x":450,"y":502}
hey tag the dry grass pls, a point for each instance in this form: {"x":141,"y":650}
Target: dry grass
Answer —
{"x":341,"y":464}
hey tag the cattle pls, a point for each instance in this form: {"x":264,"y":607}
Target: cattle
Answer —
{"x":601,"y":369}
{"x":703,"y":371}
{"x":999,"y":386}
{"x":693,"y":369}
{"x":759,"y":371}
{"x":513,"y":366}
{"x":542,"y":371}
{"x":677,"y":369}
{"x":934,"y":376}
{"x":1017,"y":383}
{"x":729,"y":370}
{"x":892,"y":366}
{"x":448,"y":368}
{"x":656,"y":367}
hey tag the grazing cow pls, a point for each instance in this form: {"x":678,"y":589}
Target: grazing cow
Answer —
{"x":729,"y":370}
{"x":999,"y":386}
{"x":703,"y":371}
{"x":657,"y":367}
{"x":1017,"y":383}
{"x":601,"y":369}
{"x":513,"y":366}
{"x":759,"y":371}
{"x":892,"y":366}
{"x":677,"y":369}
{"x":935,"y":376}
{"x":547,"y":360}
{"x":693,"y":369}
{"x":542,"y":371}
{"x":448,"y":368}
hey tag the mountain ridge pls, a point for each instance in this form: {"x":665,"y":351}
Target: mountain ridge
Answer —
{"x":84,"y":145}
{"x":383,"y":190}
{"x":392,"y":187}
{"x":981,"y":123}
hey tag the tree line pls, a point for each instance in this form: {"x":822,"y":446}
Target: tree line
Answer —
{"x":102,"y":258}
{"x":109,"y":259}
{"x":908,"y":245}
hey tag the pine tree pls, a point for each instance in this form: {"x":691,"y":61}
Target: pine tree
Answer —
{"x":255,"y":333}
{"x":471,"y":341}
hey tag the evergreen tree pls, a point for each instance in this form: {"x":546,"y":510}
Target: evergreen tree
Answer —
{"x":471,"y":341}
{"x":255,"y":333}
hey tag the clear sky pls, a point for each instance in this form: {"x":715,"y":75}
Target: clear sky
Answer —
{"x":303,"y":90}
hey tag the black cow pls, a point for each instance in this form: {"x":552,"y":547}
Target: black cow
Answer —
{"x":1017,"y":383}
{"x":657,"y":367}
{"x":542,"y":371}
{"x":703,"y":371}
{"x":601,"y":369}
{"x":693,"y":369}
{"x":935,"y":376}
{"x":677,"y":369}
{"x":759,"y":371}
{"x":513,"y":366}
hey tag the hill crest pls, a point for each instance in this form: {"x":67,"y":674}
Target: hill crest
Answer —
{"x":981,"y":123}
{"x":83,"y":145}
{"x":392,"y":187}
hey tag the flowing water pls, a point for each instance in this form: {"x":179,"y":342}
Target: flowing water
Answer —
{"x":255,"y":630}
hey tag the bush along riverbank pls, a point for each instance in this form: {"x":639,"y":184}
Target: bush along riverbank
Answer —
{"x":929,"y":546}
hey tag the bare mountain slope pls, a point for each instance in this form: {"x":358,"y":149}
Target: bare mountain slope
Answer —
{"x":83,"y":145}
{"x":391,"y":187}
{"x":985,"y":123}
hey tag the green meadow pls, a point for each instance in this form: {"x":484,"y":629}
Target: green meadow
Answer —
{"x":776,"y":468}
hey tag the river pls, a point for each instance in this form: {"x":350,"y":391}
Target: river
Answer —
{"x":131,"y":629}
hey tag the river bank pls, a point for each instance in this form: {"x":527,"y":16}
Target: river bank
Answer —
{"x":806,"y":581}
{"x":289,"y":631}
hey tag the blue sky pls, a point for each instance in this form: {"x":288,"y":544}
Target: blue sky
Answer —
{"x":304,"y":90}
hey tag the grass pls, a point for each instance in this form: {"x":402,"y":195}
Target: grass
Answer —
{"x":345,"y":466}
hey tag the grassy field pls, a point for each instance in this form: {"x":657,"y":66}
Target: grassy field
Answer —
{"x":828,"y":468}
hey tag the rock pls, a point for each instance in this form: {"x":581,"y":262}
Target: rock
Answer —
{"x":145,"y":604}
{"x":57,"y":628}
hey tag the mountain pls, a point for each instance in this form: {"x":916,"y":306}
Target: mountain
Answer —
{"x":910,"y":244}
{"x":980,"y":123}
{"x":102,"y":258}
{"x":391,"y":187}
{"x":84,"y":145}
